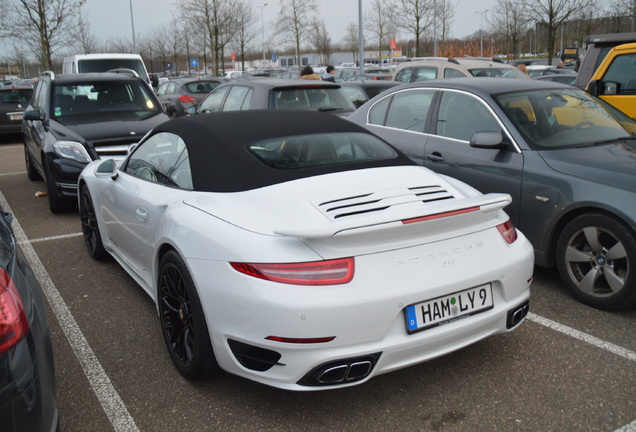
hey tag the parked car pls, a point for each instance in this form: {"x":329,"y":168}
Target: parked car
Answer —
{"x":563,"y":78}
{"x":373,"y":76}
{"x":272,"y":93}
{"x":74,"y":119}
{"x":566,"y":160}
{"x":535,"y":71}
{"x":13,"y":101}
{"x":287,"y":75}
{"x":361,"y":91}
{"x":614,"y":80}
{"x":439,"y":67}
{"x":344,"y":73}
{"x":28,"y":399}
{"x":180,"y":93}
{"x":598,"y":45}
{"x":269,"y":248}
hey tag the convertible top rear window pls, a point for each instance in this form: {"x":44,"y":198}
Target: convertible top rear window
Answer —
{"x":304,"y":151}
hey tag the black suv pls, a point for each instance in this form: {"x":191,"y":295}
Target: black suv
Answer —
{"x":76,"y":118}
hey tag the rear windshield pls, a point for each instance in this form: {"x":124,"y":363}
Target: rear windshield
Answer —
{"x":304,"y":151}
{"x":498,"y":73}
{"x":203,"y":87}
{"x":315,"y":98}
{"x":15,"y":95}
{"x":104,"y":65}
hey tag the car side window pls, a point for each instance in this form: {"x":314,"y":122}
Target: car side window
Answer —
{"x":172,"y":88}
{"x":409,"y":110}
{"x":237,"y":98}
{"x":622,"y":71}
{"x":425,"y":73}
{"x":40,"y":97}
{"x":461,"y":115}
{"x":163,"y":158}
{"x":404,"y":75}
{"x":213,"y":102}
{"x":162,"y":89}
{"x":453,"y":73}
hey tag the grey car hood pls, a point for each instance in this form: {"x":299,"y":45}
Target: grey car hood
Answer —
{"x":612,"y":164}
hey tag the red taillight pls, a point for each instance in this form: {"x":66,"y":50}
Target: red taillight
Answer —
{"x":13,"y":321}
{"x":508,"y":231}
{"x":441,"y":215}
{"x":186,"y":99}
{"x":331,"y":272}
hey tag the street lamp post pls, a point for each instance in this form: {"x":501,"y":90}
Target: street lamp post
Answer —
{"x":263,"y":30}
{"x":481,"y":32}
{"x":132,"y":22}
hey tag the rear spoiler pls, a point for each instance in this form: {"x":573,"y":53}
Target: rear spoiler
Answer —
{"x":483,"y":204}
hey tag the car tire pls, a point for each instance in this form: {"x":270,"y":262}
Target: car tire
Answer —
{"x":90,"y":228}
{"x":32,"y":172}
{"x":57,"y":204}
{"x":182,"y":320}
{"x":596,"y":257}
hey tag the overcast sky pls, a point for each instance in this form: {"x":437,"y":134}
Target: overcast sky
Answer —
{"x":110,"y":18}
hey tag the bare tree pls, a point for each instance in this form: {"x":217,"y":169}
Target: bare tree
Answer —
{"x":246,"y":30}
{"x":351,"y":40}
{"x":85,"y":40}
{"x":445,"y":18}
{"x":42,"y":24}
{"x":380,"y":22}
{"x":414,"y":16}
{"x":295,"y":19}
{"x":552,"y":14}
{"x":216,"y":18}
{"x":510,"y":19}
{"x":321,"y":41}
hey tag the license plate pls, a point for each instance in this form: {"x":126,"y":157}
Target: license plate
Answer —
{"x":17,"y":116}
{"x":446,"y":309}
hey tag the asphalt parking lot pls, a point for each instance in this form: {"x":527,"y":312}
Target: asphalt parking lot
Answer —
{"x":568,"y":367}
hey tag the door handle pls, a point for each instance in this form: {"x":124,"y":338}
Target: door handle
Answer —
{"x":435,"y":157}
{"x":142,"y":214}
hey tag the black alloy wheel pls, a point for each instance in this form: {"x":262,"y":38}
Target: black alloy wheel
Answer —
{"x":596,"y":256}
{"x":182,"y":320}
{"x":90,"y":229}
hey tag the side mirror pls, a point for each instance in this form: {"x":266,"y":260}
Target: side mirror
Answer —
{"x":592,"y":88}
{"x":191,"y":110}
{"x":33,"y":115}
{"x":488,"y":140}
{"x":171,"y":109}
{"x":154,"y":79}
{"x":108,"y":168}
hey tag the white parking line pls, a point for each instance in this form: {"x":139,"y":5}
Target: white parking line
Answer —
{"x":599,"y":343}
{"x":628,"y":427}
{"x":111,"y":402}
{"x":57,"y":237}
{"x":13,"y":173}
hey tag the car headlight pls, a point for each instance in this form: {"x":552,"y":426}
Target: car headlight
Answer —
{"x":72,"y":150}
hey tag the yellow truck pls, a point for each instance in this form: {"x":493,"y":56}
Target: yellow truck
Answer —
{"x":614,"y":81}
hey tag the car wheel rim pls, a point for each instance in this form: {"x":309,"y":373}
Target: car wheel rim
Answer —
{"x":89,"y":222}
{"x":176,"y":315}
{"x":597,"y":262}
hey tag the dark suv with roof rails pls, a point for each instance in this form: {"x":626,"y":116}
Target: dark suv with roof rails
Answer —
{"x":76,"y":118}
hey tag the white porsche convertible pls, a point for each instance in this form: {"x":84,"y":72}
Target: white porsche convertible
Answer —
{"x":299,"y":250}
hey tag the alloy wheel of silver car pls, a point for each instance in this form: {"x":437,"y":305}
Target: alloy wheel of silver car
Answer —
{"x":182,"y":321}
{"x":90,"y":229}
{"x":597,"y":260}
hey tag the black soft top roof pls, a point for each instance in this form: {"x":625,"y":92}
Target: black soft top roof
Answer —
{"x":220,"y":162}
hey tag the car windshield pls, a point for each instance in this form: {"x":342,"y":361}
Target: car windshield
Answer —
{"x":317,"y":98}
{"x":562,"y":118}
{"x":118,"y":100}
{"x":304,"y":151}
